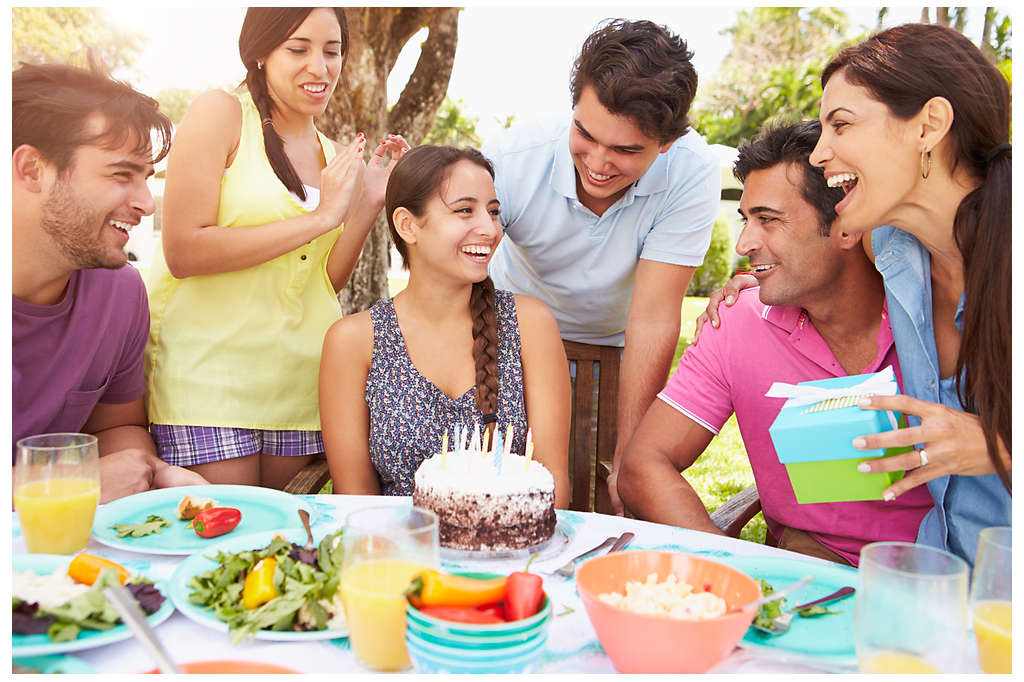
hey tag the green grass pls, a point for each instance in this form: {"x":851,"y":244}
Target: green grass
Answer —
{"x":722,"y":470}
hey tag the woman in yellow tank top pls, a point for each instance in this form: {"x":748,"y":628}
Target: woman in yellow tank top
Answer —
{"x":264,"y":218}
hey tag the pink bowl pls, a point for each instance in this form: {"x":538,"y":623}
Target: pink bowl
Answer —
{"x":642,"y":643}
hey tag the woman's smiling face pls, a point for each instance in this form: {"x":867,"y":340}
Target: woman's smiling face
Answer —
{"x":868,"y":151}
{"x":303,"y":71}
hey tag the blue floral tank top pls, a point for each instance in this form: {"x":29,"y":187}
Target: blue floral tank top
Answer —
{"x":409,"y":414}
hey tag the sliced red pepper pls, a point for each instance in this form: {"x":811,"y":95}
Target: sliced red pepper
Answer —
{"x":497,"y":610}
{"x":461,"y":614}
{"x":523,"y":596}
{"x":210,"y":523}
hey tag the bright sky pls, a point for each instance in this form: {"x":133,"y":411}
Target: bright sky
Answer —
{"x":509,"y":60}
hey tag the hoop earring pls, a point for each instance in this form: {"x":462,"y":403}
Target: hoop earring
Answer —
{"x":926,"y":164}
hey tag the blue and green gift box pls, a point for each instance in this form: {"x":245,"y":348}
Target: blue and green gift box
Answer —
{"x":814,"y":431}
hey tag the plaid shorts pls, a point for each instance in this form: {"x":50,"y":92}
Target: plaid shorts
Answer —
{"x":190,"y":445}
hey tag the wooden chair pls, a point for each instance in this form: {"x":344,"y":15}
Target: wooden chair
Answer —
{"x":594,"y":425}
{"x":311,"y":479}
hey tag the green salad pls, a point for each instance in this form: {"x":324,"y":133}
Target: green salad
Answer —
{"x":283,"y":586}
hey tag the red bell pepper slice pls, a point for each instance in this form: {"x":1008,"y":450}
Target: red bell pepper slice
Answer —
{"x":524,"y":594}
{"x":210,"y":523}
{"x":461,"y":614}
{"x":496,"y":610}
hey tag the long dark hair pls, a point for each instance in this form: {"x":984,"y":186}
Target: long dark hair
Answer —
{"x":263,"y":29}
{"x":904,"y":67}
{"x":416,"y":178}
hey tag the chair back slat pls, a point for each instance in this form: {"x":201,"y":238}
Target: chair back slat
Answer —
{"x":593,"y":430}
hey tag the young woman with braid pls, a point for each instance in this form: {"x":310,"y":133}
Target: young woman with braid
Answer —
{"x":264,"y":218}
{"x":449,"y":349}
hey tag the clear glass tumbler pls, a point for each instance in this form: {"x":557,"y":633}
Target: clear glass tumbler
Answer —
{"x":56,"y":490}
{"x":385,"y":547}
{"x":991,"y":599}
{"x":911,"y":609}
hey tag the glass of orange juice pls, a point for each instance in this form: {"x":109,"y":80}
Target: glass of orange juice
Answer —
{"x":56,"y":490}
{"x":385,"y":547}
{"x":910,"y":615}
{"x":991,"y":599}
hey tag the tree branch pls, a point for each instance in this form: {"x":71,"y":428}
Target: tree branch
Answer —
{"x":414,"y":112}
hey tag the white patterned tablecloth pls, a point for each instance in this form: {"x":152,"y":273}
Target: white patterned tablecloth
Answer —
{"x":572,"y":645}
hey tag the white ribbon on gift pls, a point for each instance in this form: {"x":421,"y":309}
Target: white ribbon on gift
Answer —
{"x":880,"y":383}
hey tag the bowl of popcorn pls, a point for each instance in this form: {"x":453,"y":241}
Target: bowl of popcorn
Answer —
{"x":665,"y":612}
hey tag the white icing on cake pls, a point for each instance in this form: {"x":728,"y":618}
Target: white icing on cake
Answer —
{"x":473,"y":472}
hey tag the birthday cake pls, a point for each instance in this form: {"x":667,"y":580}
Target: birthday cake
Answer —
{"x":487,"y":502}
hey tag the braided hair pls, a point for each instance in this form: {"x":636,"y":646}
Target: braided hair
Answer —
{"x":263,"y":30}
{"x":415,"y":179}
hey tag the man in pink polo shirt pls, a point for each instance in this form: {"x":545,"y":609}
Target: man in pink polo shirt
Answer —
{"x":819,"y":312}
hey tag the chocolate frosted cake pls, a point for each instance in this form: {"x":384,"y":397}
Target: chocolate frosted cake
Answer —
{"x":484,"y":506}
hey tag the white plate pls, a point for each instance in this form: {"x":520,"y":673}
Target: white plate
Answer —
{"x":551,"y":547}
{"x":200,"y":563}
{"x":40,"y":645}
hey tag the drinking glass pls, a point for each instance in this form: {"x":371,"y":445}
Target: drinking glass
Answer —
{"x":56,"y":490}
{"x":384,"y":548}
{"x":911,"y":609}
{"x":990,"y":599}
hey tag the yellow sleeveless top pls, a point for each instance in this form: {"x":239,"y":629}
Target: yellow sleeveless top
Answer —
{"x":242,"y":349}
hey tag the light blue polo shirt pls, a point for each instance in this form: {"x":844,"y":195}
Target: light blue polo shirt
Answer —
{"x":583,"y":266}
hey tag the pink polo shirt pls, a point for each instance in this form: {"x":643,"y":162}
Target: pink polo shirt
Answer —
{"x":731,"y":369}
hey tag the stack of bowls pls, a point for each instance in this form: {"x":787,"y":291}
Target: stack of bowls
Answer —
{"x":441,"y":646}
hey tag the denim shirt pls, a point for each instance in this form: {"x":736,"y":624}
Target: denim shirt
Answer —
{"x":963,"y":504}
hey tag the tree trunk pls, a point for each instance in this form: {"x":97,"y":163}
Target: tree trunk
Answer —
{"x":376,"y":37}
{"x":986,"y":31}
{"x":942,"y":16}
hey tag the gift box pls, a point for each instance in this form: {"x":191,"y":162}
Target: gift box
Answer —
{"x":814,"y":431}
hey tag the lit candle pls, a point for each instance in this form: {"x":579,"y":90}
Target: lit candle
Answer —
{"x":487,"y":441}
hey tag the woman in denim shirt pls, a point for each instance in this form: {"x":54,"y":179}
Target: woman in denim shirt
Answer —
{"x":915,"y":128}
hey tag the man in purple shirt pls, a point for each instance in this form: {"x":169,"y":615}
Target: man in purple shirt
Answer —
{"x":81,"y":156}
{"x":820,"y":312}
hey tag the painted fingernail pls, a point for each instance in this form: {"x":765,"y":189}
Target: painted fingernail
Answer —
{"x":888,"y":497}
{"x":714,"y":323}
{"x":864,"y":402}
{"x":729,"y":299}
{"x":864,"y":468}
{"x":859,"y":443}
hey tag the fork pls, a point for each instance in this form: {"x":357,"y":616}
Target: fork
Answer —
{"x":569,"y":569}
{"x":781,"y":623}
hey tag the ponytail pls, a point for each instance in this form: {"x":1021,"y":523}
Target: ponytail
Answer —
{"x":982,"y":229}
{"x":256,"y":82}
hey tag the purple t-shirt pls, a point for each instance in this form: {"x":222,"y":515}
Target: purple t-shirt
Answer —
{"x":86,"y":349}
{"x":731,"y":369}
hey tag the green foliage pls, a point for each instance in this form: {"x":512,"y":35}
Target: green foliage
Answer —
{"x":717,"y":266}
{"x":69,"y":34}
{"x":174,"y":102}
{"x":452,"y":128}
{"x":746,"y":92}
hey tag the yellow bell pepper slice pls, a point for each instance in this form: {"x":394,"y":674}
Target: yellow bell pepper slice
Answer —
{"x":259,"y":588}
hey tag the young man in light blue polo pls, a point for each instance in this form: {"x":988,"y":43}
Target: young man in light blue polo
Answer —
{"x":607,"y":215}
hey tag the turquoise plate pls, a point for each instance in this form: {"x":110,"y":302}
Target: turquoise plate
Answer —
{"x":827,"y":638}
{"x":263,"y":509}
{"x":200,"y":562}
{"x":40,"y":645}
